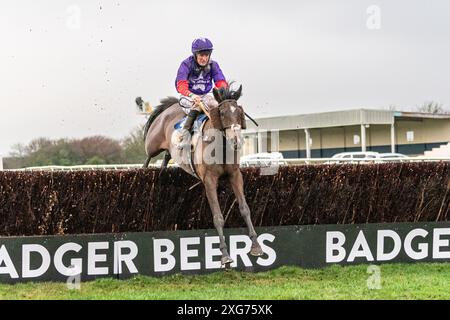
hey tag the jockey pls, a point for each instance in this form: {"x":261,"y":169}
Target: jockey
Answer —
{"x":194,"y":82}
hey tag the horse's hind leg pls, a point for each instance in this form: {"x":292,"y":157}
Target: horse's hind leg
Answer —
{"x":237,"y":184}
{"x":147,"y":161}
{"x":166,"y":160}
{"x":211,"y":183}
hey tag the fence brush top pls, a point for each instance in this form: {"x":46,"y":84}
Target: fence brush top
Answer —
{"x":99,"y":201}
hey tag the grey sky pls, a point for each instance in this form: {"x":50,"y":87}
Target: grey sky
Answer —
{"x":291,"y":57}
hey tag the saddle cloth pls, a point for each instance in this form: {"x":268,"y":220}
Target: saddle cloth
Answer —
{"x":197,"y":123}
{"x":188,"y":153}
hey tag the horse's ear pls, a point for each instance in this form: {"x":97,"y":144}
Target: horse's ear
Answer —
{"x":217,"y":96}
{"x":238,"y":93}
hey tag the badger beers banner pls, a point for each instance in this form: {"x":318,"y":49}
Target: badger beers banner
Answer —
{"x":122,"y":255}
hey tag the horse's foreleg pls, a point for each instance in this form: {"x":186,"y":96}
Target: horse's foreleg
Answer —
{"x":210,"y":183}
{"x":237,"y":184}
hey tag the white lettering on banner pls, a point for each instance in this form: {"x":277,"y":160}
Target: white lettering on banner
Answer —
{"x":438,"y":243}
{"x":239,"y":246}
{"x":335,"y":240}
{"x":120,"y":257}
{"x":94,"y":257}
{"x":271,"y":254}
{"x":211,"y":252}
{"x":27,"y":249}
{"x":186,"y":253}
{"x":423,"y":247}
{"x":159,"y":255}
{"x":364,"y":252}
{"x":36,"y":260}
{"x":76,"y":265}
{"x":381,"y":236}
{"x":331,"y":247}
{"x":241,"y":252}
{"x":8,"y":267}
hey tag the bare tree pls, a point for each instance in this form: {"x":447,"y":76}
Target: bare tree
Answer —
{"x":18,"y":150}
{"x":105,"y":148}
{"x":38,"y":144}
{"x":392,"y":107}
{"x":432,"y":107}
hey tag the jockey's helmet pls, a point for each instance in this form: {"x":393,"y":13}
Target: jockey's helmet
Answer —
{"x":202,"y":44}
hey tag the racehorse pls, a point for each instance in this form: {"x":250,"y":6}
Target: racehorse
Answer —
{"x":207,"y":158}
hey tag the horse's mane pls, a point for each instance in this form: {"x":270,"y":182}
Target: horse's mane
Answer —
{"x":165,"y":104}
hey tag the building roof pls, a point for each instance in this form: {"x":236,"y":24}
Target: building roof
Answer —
{"x":336,"y":119}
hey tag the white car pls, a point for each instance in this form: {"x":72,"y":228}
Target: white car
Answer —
{"x":368,"y":156}
{"x":393,"y":157}
{"x":263,"y":159}
{"x":354,"y":157}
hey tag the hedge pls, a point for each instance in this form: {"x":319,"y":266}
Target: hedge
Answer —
{"x":96,"y":201}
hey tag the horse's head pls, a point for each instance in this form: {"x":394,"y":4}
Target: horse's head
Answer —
{"x":229,"y":116}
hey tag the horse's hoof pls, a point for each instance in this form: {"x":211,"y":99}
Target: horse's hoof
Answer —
{"x":226,"y":260}
{"x":256,"y":251}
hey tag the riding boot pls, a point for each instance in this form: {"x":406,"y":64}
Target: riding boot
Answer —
{"x":184,"y":135}
{"x":190,"y":119}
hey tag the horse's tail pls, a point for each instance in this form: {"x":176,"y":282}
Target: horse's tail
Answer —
{"x":165,"y":104}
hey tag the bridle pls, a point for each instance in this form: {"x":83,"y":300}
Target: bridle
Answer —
{"x":216,"y":113}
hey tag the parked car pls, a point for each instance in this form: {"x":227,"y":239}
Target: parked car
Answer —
{"x":354,"y":157}
{"x":393,"y":157}
{"x":263,"y":159}
{"x":368,"y":156}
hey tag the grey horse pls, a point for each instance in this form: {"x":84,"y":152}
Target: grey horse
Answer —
{"x":208,"y":158}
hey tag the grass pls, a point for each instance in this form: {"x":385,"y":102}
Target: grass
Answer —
{"x":398,"y":281}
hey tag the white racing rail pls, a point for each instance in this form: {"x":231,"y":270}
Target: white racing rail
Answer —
{"x":300,"y":161}
{"x":83,"y":167}
{"x":246,"y":163}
